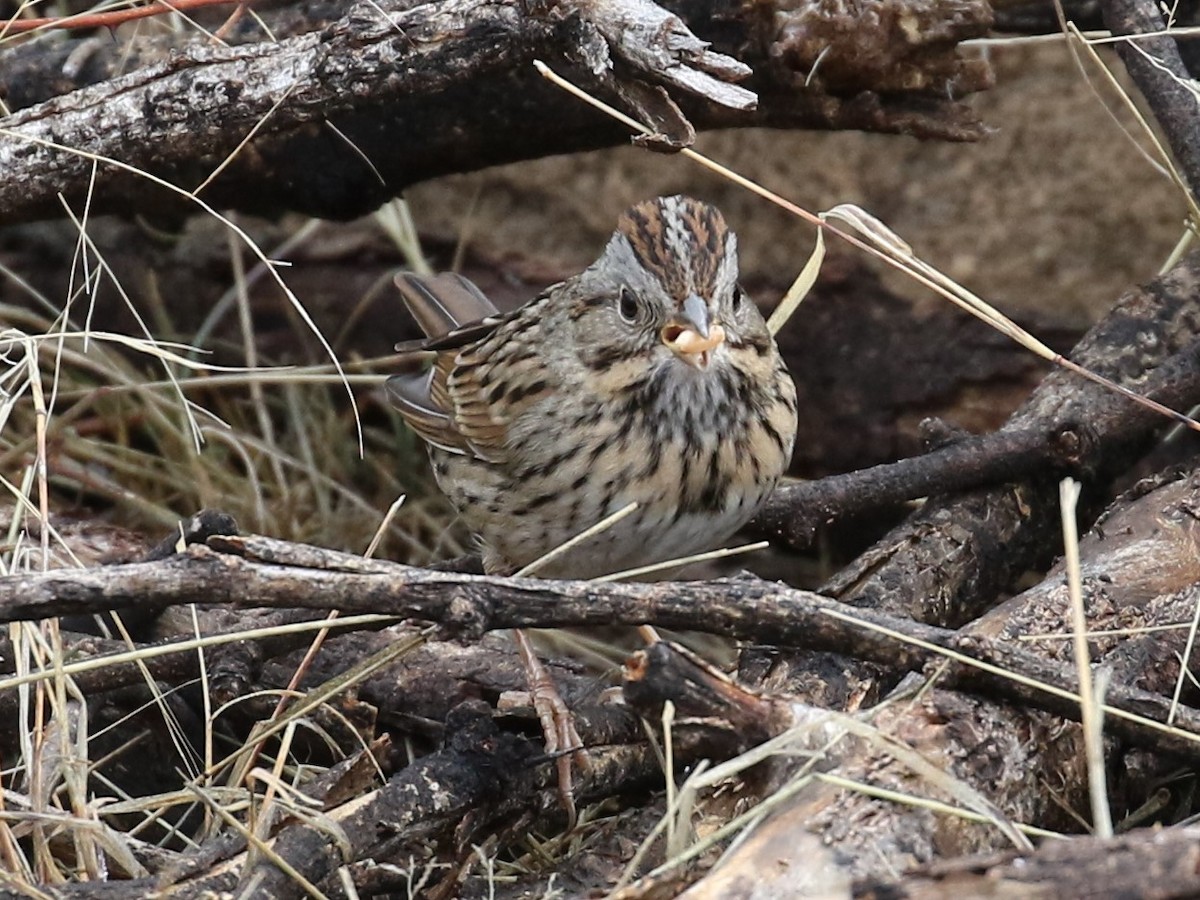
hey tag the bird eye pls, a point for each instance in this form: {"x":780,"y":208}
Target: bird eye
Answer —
{"x":627,"y":305}
{"x":737,"y":297}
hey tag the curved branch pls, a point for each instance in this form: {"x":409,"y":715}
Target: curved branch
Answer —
{"x":1160,"y":74}
{"x":744,"y":608}
{"x":337,"y":121}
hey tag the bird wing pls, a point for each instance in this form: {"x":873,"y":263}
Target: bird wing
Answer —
{"x":443,"y":303}
{"x":409,"y":393}
{"x":446,"y":404}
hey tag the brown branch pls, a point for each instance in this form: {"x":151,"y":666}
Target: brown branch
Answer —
{"x":346,"y":117}
{"x":1149,"y":862}
{"x":107,"y":19}
{"x":1140,"y":566}
{"x":747,"y":609}
{"x":479,"y":778}
{"x":958,"y":552}
{"x":796,"y":512}
{"x":231,"y":20}
{"x":1160,"y":74}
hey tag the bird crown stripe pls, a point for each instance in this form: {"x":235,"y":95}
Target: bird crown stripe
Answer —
{"x":681,"y":242}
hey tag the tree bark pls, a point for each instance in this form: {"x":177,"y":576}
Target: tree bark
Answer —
{"x":1143,"y":864}
{"x":339,"y":120}
{"x":1140,"y":566}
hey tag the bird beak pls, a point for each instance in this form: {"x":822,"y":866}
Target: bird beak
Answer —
{"x":692,"y":334}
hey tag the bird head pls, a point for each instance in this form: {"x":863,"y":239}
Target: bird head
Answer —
{"x":665,"y":289}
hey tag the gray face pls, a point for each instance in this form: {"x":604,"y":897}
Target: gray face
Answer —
{"x":665,"y":290}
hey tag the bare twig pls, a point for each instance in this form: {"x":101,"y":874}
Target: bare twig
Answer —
{"x":746,"y":608}
{"x":370,"y":79}
{"x":1159,"y":72}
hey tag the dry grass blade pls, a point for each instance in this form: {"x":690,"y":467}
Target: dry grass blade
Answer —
{"x":310,"y":654}
{"x":665,"y":565}
{"x":1163,"y":158}
{"x":396,"y":220}
{"x":40,"y":415}
{"x":585,"y":535}
{"x":244,"y":141}
{"x":1051,"y":689}
{"x":377,"y":537}
{"x":800,"y":287}
{"x":259,"y":846}
{"x":12,"y":682}
{"x":245,"y":757}
{"x":1026,"y":831}
{"x":129,"y":443}
{"x":890,"y":244}
{"x":1091,"y":718}
{"x":883,"y":244}
{"x":1185,"y":662}
{"x":1103,"y":632}
{"x":675,"y":833}
{"x":814,"y":738}
{"x":104,"y":17}
{"x":259,"y":270}
{"x":248,"y":242}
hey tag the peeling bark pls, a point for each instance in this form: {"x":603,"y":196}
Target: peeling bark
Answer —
{"x":341,"y":119}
